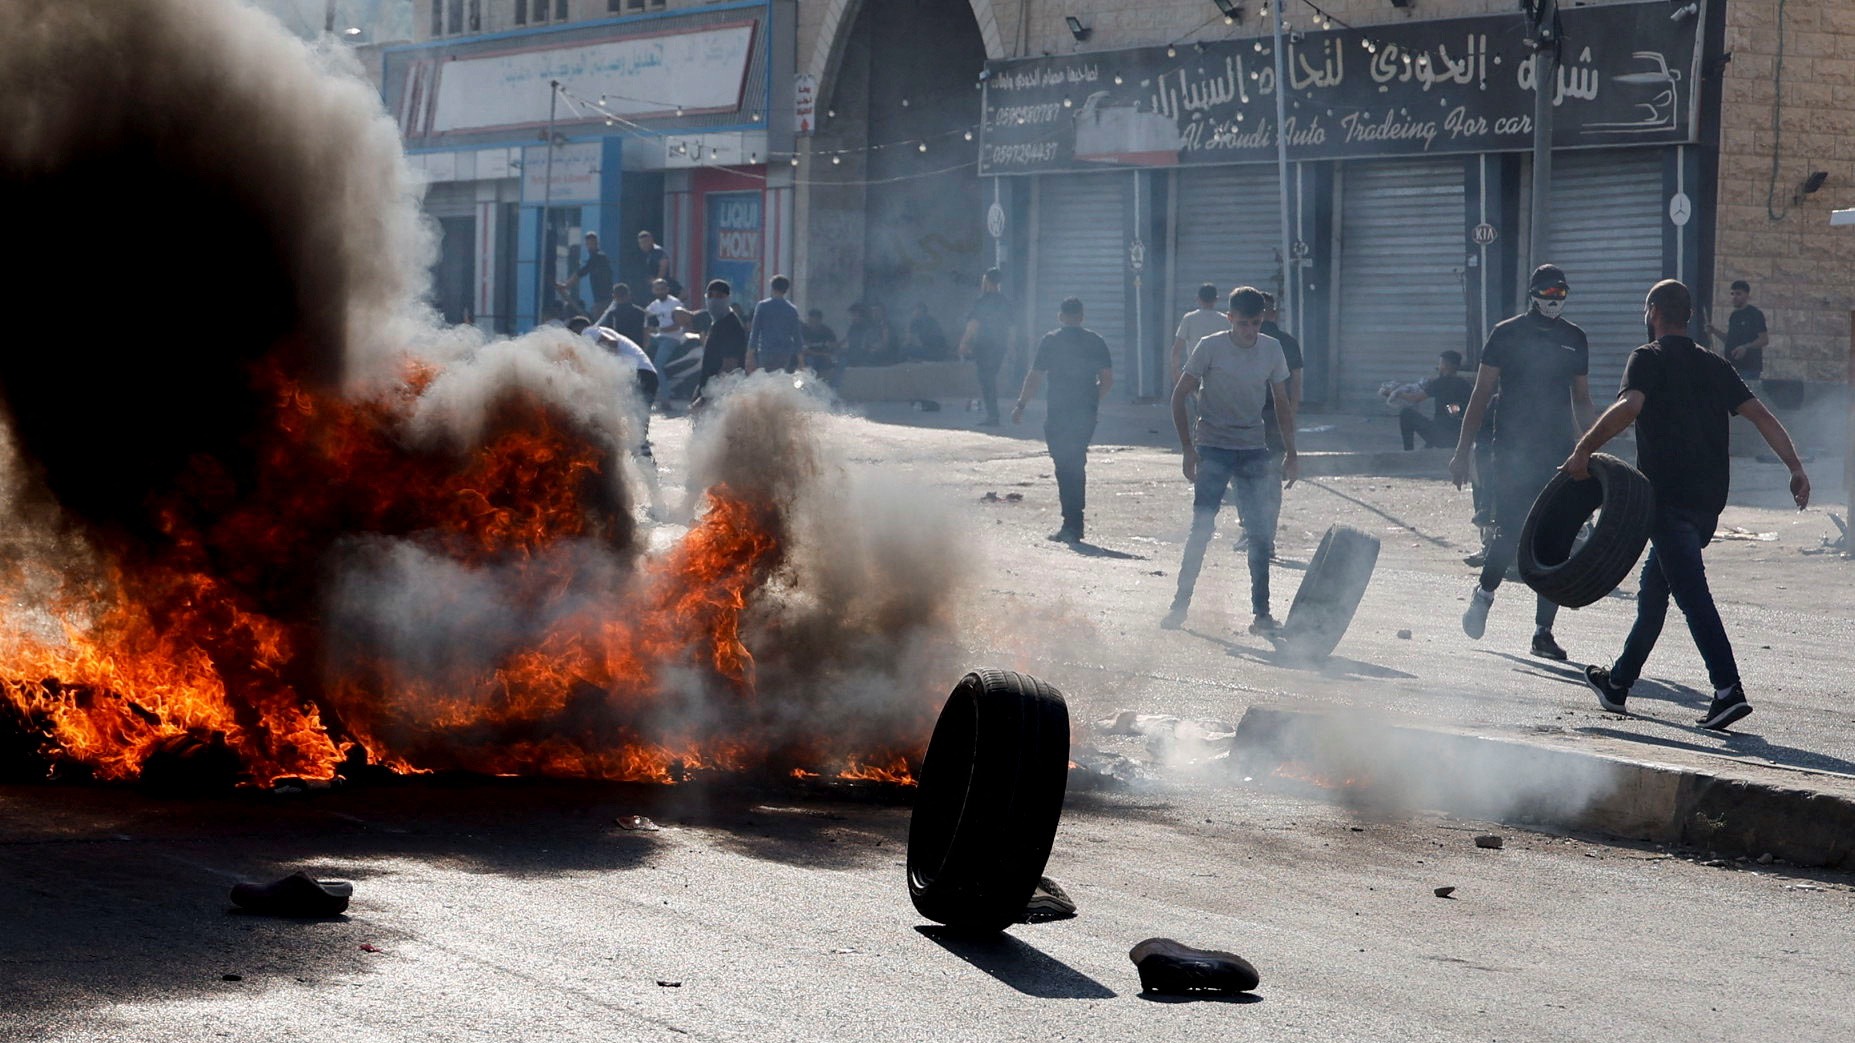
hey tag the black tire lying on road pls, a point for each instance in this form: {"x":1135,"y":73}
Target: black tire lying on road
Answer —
{"x":1572,"y":574}
{"x":990,"y":796}
{"x":1330,"y":591}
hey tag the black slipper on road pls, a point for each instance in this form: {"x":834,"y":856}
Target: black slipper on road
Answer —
{"x":1174,"y":967}
{"x":296,"y":895}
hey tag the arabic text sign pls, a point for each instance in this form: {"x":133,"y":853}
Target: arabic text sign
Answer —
{"x":574,"y":173}
{"x":700,"y":71}
{"x":1456,"y":85}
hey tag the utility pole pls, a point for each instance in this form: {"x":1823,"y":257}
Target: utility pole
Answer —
{"x":328,"y":23}
{"x":1281,"y":168}
{"x":1545,"y":44}
{"x":547,"y":205}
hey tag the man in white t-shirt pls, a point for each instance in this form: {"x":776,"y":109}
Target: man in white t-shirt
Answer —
{"x":1233,"y":373}
{"x":660,"y":321}
{"x":1197,"y":324}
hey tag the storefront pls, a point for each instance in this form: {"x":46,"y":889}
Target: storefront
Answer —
{"x":1408,"y":151}
{"x":531,"y":139}
{"x":1078,"y":249}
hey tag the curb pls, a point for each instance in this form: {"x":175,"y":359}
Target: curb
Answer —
{"x":1555,"y":778}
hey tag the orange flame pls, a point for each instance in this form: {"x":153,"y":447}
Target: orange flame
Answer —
{"x":217,"y":632}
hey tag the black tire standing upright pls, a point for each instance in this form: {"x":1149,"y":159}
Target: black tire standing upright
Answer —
{"x":1329,"y":593}
{"x":990,"y":797}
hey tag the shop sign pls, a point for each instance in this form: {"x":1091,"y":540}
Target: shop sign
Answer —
{"x":1628,"y":76}
{"x":735,"y":229}
{"x":575,"y":174}
{"x":805,"y":103}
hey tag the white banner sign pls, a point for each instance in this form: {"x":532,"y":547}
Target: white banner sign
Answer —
{"x":575,"y":174}
{"x":704,"y":71}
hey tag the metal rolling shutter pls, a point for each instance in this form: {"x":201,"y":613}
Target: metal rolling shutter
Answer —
{"x":1606,"y":232}
{"x":1081,"y":251}
{"x":1403,"y":248}
{"x":1229,"y":229}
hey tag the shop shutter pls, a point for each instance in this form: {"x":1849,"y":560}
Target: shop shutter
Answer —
{"x":1403,"y":252}
{"x":1229,"y":231}
{"x":1606,"y":232}
{"x":1081,"y":251}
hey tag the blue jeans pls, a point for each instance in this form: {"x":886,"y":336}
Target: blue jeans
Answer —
{"x":1674,"y":569}
{"x":1258,"y":486}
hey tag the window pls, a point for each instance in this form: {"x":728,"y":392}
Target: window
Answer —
{"x":438,"y":17}
{"x":540,"y":10}
{"x":560,"y":10}
{"x":521,"y":12}
{"x":456,"y":16}
{"x":476,"y":16}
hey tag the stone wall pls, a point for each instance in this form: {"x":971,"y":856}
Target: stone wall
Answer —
{"x":1802,"y":270}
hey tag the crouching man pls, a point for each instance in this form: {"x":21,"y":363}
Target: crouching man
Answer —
{"x":1680,"y":396}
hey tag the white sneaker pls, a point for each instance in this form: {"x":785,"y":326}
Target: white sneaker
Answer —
{"x":1475,"y":619}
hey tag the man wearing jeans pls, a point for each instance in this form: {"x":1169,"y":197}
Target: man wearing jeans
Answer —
{"x":1680,"y":395}
{"x":1233,"y":374}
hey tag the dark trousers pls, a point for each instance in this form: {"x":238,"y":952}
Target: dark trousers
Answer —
{"x":1068,"y":439}
{"x":1435,"y":434}
{"x":987,"y":364}
{"x":1517,"y":480}
{"x":1674,"y":569}
{"x":1483,"y":486}
{"x":1258,"y":483}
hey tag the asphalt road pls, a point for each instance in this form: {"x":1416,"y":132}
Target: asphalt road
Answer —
{"x":520,"y":911}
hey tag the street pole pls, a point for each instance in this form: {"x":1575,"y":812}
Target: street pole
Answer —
{"x":1281,"y":164}
{"x":1545,"y":73}
{"x":328,"y":22}
{"x":547,"y":203}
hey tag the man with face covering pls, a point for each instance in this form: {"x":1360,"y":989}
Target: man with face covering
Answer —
{"x":1540,"y":365}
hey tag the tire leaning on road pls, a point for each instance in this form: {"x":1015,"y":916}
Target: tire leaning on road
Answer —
{"x":1329,"y":593}
{"x":1575,"y":575}
{"x":990,"y":796}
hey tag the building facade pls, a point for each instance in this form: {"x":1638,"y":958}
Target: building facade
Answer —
{"x":897,"y":149}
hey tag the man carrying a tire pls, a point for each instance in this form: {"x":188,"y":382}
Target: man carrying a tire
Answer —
{"x":1233,"y":373}
{"x":1540,"y":365}
{"x":1680,"y":396}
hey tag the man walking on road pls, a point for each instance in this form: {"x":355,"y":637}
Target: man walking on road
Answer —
{"x":1680,"y":396}
{"x":777,"y":335}
{"x":1233,"y":374}
{"x":988,"y":335}
{"x":1081,"y":372}
{"x":1540,"y":365}
{"x":1194,"y":326}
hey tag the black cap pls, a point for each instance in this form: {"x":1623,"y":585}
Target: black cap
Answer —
{"x":720,"y":288}
{"x":1548,"y":277}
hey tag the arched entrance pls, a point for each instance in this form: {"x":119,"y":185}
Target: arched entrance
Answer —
{"x":890,"y":207}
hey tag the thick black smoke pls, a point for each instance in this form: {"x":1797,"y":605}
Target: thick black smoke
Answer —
{"x":189,"y":193}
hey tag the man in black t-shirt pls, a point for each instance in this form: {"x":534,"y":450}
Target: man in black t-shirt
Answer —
{"x":1540,"y":364}
{"x":596,"y":269}
{"x":989,"y":332}
{"x":1291,"y":350}
{"x":623,"y":316}
{"x":1449,"y":393}
{"x":1080,"y":372}
{"x":1680,"y":396}
{"x":1745,"y":333}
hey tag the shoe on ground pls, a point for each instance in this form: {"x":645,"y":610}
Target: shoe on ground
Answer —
{"x":990,"y":421}
{"x":1049,"y":902}
{"x":1242,"y":544}
{"x":1173,"y":619}
{"x":1167,"y":966}
{"x":1265,"y":625}
{"x":1065,"y":535}
{"x":1726,"y":709}
{"x":1475,"y":618}
{"x":1477,"y":559}
{"x":1609,"y":696}
{"x":296,"y":895}
{"x":1546,"y":648}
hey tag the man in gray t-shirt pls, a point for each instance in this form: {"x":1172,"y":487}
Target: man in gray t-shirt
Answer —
{"x":1232,"y":373}
{"x":1195,"y":326}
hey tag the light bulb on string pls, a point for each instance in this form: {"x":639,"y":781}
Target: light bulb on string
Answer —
{"x":904,"y":103}
{"x":968,"y":135}
{"x":1172,"y":52}
{"x":1117,"y":81}
{"x":679,"y":111}
{"x":921,"y":147}
{"x":830,"y":114}
{"x":836,"y":160}
{"x":795,"y":161}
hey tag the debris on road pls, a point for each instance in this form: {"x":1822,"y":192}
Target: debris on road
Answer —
{"x":1098,"y":769}
{"x":297,"y":896}
{"x":637,"y":822}
{"x":1048,"y":902}
{"x":231,"y":977}
{"x":1737,"y":532}
{"x":1444,"y":892}
{"x":1766,"y":859}
{"x":1404,"y":635}
{"x":1168,"y":966}
{"x":369,"y":947}
{"x":668,"y":984}
{"x":1489,"y":840}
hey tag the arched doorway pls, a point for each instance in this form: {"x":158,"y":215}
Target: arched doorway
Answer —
{"x":891,"y":203}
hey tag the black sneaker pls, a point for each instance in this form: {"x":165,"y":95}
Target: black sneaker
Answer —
{"x":1477,"y":559}
{"x":1065,"y":535}
{"x":1167,"y":966}
{"x":1726,"y":709}
{"x":1265,"y":626}
{"x":1546,"y":648}
{"x":1175,"y":618}
{"x":1609,"y":696}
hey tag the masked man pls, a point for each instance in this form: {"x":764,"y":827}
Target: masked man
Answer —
{"x":1540,"y":365}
